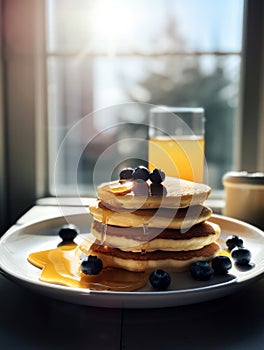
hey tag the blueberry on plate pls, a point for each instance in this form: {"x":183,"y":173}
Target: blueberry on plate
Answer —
{"x":157,"y":176}
{"x":201,"y":271}
{"x":92,"y":265}
{"x":68,"y":232}
{"x":221,"y":264}
{"x":160,"y":279}
{"x":126,"y":174}
{"x":141,"y":173}
{"x":233,"y":242}
{"x":241,"y":256}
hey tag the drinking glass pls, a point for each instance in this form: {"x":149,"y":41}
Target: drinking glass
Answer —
{"x":176,"y":141}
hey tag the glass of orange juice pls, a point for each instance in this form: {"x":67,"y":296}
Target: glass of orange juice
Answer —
{"x":176,"y":141}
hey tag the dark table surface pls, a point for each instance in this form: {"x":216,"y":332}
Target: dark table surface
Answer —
{"x":29,"y":320}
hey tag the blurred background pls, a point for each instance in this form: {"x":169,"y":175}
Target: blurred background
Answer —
{"x":162,"y":52}
{"x":88,"y":71}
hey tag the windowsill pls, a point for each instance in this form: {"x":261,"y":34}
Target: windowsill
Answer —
{"x":66,"y":201}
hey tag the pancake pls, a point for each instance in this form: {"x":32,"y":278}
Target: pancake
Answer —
{"x":137,"y":239}
{"x":139,"y":262}
{"x":161,"y":218}
{"x":178,"y":193}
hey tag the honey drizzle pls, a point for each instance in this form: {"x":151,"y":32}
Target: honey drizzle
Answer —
{"x":145,"y":235}
{"x":104,"y":231}
{"x":62,"y":266}
{"x":145,"y":230}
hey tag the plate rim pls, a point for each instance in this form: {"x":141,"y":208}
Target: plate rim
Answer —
{"x":83,"y":292}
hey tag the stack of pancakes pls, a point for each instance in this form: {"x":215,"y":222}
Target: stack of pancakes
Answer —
{"x":164,"y":229}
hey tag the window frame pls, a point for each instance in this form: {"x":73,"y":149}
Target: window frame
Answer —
{"x":251,"y":129}
{"x":23,"y":123}
{"x":2,"y":143}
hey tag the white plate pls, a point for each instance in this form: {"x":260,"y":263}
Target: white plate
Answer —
{"x":16,"y":244}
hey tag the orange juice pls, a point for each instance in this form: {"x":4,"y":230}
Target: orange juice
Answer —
{"x":181,"y":157}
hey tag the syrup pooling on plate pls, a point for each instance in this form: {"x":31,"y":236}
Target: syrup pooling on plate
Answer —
{"x":61,"y":265}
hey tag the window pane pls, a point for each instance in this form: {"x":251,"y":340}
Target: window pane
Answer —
{"x":143,"y":25}
{"x":158,"y":68}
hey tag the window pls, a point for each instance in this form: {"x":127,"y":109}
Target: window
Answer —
{"x":52,"y":66}
{"x":102,"y":55}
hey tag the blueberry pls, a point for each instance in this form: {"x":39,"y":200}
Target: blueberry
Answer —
{"x":201,"y":271}
{"x":157,"y":190}
{"x":126,"y":174}
{"x":221,"y":264}
{"x":68,"y":232}
{"x":141,"y":173}
{"x":92,"y":265}
{"x":160,"y":279}
{"x":234,"y":241}
{"x":157,"y":176}
{"x":241,"y":256}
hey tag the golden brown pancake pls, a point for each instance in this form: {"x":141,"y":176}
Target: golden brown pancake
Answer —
{"x":162,"y":217}
{"x":170,"y":261}
{"x":137,"y":239}
{"x":178,"y":193}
